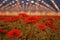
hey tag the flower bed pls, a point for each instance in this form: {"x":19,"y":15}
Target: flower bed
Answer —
{"x":26,"y":27}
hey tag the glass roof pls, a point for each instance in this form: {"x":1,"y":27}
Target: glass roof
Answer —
{"x":24,"y":4}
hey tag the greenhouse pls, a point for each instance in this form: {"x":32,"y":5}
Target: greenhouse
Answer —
{"x":29,"y":19}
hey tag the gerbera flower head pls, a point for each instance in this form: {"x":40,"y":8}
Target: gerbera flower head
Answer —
{"x":41,"y":26}
{"x":57,"y":17}
{"x":23,"y":15}
{"x":31,"y":19}
{"x":4,"y":32}
{"x":3,"y":17}
{"x":14,"y":33}
{"x":51,"y":25}
{"x":6,"y":20}
{"x":14,"y":18}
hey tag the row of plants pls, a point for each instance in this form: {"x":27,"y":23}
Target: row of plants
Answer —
{"x":27,"y":27}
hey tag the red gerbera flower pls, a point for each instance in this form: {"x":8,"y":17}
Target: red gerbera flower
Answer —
{"x":51,"y":25}
{"x":2,"y":17}
{"x":23,"y":15}
{"x":14,"y":33}
{"x":11,"y":19}
{"x":4,"y":32}
{"x":14,"y":18}
{"x":57,"y":17}
{"x":51,"y":18}
{"x":31,"y":19}
{"x":6,"y":20}
{"x":41,"y":26}
{"x":54,"y":27}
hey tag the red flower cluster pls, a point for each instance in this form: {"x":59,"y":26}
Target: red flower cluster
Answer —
{"x":2,"y":17}
{"x":14,"y":33}
{"x":54,"y":17}
{"x":57,"y":17}
{"x":2,"y":31}
{"x":31,"y":19}
{"x":13,"y":18}
{"x":41,"y":26}
{"x":23,"y":15}
{"x":51,"y":25}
